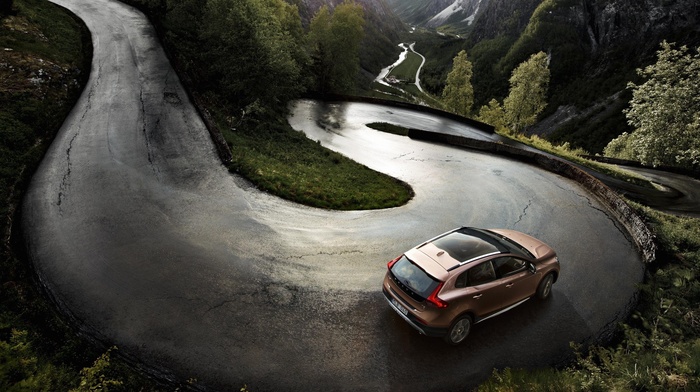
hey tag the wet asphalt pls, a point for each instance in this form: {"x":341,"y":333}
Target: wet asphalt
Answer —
{"x":142,"y":237}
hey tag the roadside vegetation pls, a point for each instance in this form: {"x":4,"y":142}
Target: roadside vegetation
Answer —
{"x":287,"y":164}
{"x":664,"y":112}
{"x":389,"y":128}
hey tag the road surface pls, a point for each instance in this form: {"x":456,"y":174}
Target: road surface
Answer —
{"x":148,"y":242}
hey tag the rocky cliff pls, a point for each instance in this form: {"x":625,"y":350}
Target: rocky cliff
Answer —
{"x":614,"y":37}
{"x":637,"y":22}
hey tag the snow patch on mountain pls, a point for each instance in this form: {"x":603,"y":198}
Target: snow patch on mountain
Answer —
{"x":470,"y":19}
{"x":464,"y":10}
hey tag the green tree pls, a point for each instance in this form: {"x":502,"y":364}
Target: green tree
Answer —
{"x":319,"y":31}
{"x":664,"y":112}
{"x":493,"y":114}
{"x":528,"y":92}
{"x":21,"y":370}
{"x":458,"y":95}
{"x":335,"y":46}
{"x":94,"y":378}
{"x":250,"y":56}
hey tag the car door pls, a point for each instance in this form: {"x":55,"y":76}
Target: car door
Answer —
{"x":515,"y":281}
{"x":480,"y":281}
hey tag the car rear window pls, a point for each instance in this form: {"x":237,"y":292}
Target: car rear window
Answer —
{"x":409,"y":276}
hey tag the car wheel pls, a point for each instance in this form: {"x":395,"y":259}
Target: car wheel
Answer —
{"x":459,"y":330}
{"x":544,"y":290}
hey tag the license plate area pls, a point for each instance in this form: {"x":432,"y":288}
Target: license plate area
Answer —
{"x":399,"y":307}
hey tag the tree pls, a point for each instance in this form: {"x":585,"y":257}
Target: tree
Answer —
{"x":664,"y":112}
{"x":319,"y":31}
{"x":458,"y":95}
{"x":335,"y":46}
{"x":93,"y":378}
{"x":249,"y":54}
{"x":493,"y":114}
{"x":528,"y":92}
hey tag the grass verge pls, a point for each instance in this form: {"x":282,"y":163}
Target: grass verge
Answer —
{"x":389,"y":128}
{"x":286,"y":163}
{"x":575,"y":156}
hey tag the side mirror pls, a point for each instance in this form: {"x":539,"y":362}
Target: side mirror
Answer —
{"x":531,"y":267}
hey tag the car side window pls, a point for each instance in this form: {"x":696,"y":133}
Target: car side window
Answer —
{"x":480,"y":274}
{"x":461,"y":281}
{"x":508,"y":265}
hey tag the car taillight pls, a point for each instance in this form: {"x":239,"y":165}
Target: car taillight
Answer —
{"x":392,"y":262}
{"x":433,"y":298}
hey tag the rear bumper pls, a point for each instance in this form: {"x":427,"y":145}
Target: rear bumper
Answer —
{"x":411,"y":320}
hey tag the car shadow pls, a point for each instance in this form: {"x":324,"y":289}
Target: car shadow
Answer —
{"x":531,"y":334}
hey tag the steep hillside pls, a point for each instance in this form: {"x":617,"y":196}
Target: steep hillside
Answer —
{"x":595,"y":48}
{"x":382,"y":32}
{"x":605,"y":41}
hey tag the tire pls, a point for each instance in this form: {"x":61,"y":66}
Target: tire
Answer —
{"x":544,"y":289}
{"x":459,"y":330}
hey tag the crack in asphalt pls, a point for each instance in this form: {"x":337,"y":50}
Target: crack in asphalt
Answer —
{"x":144,"y":130}
{"x":403,"y":155}
{"x":322,"y":253}
{"x":65,"y":181}
{"x":606,"y":212}
{"x":524,"y":213}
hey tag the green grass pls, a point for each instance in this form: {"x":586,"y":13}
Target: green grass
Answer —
{"x":406,"y":71}
{"x":284,"y":162}
{"x":575,"y":155}
{"x":389,"y":128}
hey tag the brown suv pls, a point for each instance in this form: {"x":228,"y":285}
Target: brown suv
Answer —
{"x":466,"y":276}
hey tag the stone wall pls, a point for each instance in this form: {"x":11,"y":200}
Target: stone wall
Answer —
{"x":637,"y":229}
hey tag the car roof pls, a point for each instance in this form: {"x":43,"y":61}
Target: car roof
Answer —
{"x":454,"y":248}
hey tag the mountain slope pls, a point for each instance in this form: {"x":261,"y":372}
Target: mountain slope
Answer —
{"x":595,"y":47}
{"x":382,"y":30}
{"x":453,"y":15}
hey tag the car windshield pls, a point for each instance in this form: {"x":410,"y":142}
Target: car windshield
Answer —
{"x":414,"y":278}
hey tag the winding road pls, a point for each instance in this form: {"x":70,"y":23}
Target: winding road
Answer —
{"x":142,"y":237}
